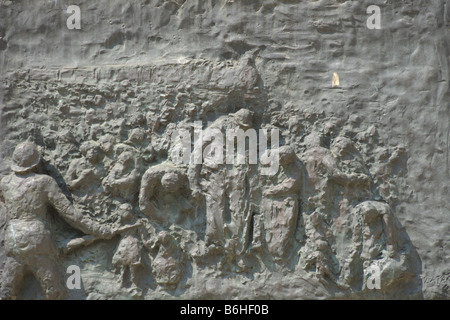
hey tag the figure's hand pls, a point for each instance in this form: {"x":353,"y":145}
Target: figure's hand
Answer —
{"x":78,"y":242}
{"x":107,"y":232}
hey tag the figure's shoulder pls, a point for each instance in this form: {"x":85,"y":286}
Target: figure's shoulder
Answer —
{"x":150,"y":175}
{"x":158,"y":169}
{"x":45,"y":180}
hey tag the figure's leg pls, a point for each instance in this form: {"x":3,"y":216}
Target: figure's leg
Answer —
{"x":280,"y":225}
{"x":391,"y":232}
{"x":257,"y":231}
{"x":123,"y":269}
{"x":215,"y":209}
{"x":47,"y":273}
{"x":134,"y":272}
{"x":11,"y":279}
{"x":324,"y":263}
{"x":384,"y":211}
{"x":214,"y":221}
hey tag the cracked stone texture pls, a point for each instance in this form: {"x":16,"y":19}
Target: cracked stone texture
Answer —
{"x":159,"y":65}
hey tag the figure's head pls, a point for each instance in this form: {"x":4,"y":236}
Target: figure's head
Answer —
{"x":126,"y":212}
{"x":90,"y":116}
{"x":172,"y":181}
{"x":91,"y":151}
{"x":287,"y":155}
{"x":164,"y":237}
{"x":107,"y":143}
{"x":137,"y":135}
{"x":343,"y":146}
{"x":25,"y":157}
{"x":126,"y":158}
{"x":109,"y":112}
{"x":330,"y":127}
{"x":244,"y":117}
{"x":313,"y":140}
{"x":370,"y":214}
{"x":138,"y":119}
{"x":66,"y":136}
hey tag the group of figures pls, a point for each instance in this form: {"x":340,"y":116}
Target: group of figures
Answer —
{"x":319,"y":210}
{"x":101,"y":158}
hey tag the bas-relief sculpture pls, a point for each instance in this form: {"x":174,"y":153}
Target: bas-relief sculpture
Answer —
{"x":28,"y":240}
{"x":318,"y":217}
{"x":88,"y":179}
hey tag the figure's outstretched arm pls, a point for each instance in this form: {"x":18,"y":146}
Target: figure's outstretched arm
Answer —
{"x":72,"y":216}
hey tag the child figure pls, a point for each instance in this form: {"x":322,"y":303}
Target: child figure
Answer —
{"x":127,"y":259}
{"x":168,"y":263}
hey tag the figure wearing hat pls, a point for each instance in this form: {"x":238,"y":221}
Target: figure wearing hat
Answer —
{"x":210,"y":178}
{"x":28,"y":239}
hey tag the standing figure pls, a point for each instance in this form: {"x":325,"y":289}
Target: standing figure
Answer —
{"x":374,"y":239}
{"x":241,"y":184}
{"x":28,"y":239}
{"x":324,"y":176}
{"x":212,"y":180}
{"x":127,"y":259}
{"x":279,"y":204}
{"x":208,"y":179}
{"x":84,"y":177}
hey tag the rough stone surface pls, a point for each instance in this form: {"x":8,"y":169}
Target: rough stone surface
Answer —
{"x":87,"y":119}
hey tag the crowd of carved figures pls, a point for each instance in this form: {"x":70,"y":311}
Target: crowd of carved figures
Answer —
{"x":100,"y":157}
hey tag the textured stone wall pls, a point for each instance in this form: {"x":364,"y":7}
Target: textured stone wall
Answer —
{"x":363,"y":179}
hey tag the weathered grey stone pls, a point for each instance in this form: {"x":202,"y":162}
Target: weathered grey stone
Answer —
{"x":88,"y":178}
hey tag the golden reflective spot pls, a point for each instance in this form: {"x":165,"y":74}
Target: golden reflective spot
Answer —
{"x":335,"y":81}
